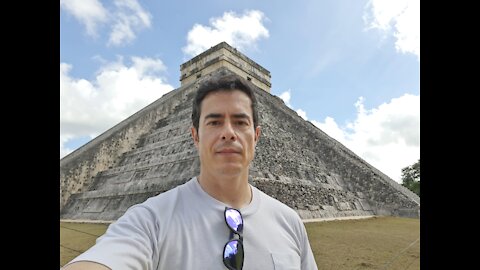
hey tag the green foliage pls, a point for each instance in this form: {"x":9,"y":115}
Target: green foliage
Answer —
{"x":411,"y":177}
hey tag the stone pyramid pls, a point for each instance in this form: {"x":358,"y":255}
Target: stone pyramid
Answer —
{"x":152,"y":151}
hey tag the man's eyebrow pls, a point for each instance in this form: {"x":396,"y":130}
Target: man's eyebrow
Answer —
{"x":213,"y":115}
{"x":218,"y":115}
{"x":241,"y":115}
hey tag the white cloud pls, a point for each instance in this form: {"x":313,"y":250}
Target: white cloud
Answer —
{"x":332,"y":129}
{"x":127,"y":18}
{"x":88,"y":108}
{"x":240,"y":31}
{"x":64,"y":150}
{"x":302,"y":114}
{"x":402,"y":17}
{"x":285,"y":96}
{"x":90,"y":13}
{"x":387,"y":137}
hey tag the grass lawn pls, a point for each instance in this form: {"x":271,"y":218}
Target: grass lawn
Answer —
{"x":375,"y":243}
{"x":75,"y":238}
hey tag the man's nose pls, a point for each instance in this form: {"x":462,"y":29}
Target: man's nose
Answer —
{"x":228,"y":133}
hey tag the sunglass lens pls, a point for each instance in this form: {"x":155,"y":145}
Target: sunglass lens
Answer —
{"x":233,"y":255}
{"x":234,"y":219}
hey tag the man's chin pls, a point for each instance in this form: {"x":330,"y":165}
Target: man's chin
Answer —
{"x":231,"y":170}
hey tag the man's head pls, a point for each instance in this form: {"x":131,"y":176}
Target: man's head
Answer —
{"x":223,"y":83}
{"x":225,"y":126}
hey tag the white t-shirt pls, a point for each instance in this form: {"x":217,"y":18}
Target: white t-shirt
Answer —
{"x":184,"y":228}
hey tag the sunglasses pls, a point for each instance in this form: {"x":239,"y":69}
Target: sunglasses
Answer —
{"x":233,"y":253}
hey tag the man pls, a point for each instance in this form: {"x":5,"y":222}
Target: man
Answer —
{"x":216,"y":220}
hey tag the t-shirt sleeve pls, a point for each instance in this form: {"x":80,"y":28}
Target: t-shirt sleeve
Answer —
{"x":129,"y":243}
{"x":307,"y":258}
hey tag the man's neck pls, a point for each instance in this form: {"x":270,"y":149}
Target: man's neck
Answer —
{"x":233,"y":191}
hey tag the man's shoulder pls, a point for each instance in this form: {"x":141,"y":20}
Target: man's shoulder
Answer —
{"x":278,"y":206}
{"x":160,"y":207}
{"x":168,"y":196}
{"x":160,"y":203}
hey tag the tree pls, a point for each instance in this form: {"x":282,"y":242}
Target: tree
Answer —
{"x":411,"y":177}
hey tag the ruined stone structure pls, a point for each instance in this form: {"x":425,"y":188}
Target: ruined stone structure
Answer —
{"x":152,"y":151}
{"x":223,"y":55}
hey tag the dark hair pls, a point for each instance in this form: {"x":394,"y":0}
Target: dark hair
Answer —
{"x":223,"y":82}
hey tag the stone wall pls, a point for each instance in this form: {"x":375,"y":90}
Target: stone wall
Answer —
{"x":79,"y":168}
{"x":294,"y":148}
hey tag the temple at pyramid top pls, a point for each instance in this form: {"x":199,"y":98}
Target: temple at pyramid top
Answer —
{"x":224,"y":55}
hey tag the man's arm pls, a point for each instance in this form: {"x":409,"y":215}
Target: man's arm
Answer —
{"x":85,"y":266}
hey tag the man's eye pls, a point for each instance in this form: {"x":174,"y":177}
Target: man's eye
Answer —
{"x":213,"y":123}
{"x":242,"y":123}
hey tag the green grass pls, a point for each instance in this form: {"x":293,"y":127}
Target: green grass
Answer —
{"x":75,"y":238}
{"x":375,"y":243}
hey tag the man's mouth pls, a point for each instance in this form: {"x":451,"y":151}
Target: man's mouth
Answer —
{"x":228,"y":151}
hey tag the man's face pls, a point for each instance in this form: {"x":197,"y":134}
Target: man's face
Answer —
{"x":226,"y":137}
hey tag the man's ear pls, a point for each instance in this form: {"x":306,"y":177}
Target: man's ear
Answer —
{"x":195,"y":138}
{"x":257,"y":134}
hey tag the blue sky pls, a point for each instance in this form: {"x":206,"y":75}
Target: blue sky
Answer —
{"x":351,"y":67}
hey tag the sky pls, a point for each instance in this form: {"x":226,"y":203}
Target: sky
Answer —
{"x":350,"y":67}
